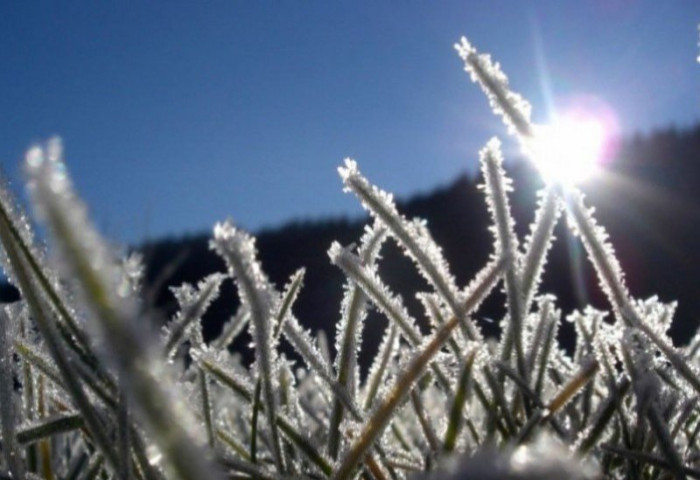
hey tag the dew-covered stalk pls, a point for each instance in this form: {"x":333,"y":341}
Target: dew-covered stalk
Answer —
{"x":376,"y":372}
{"x":187,"y":326}
{"x":370,"y":282}
{"x":18,"y":229}
{"x":303,"y":344}
{"x":601,"y":253}
{"x":355,"y":304}
{"x":193,"y":305}
{"x":510,"y":106}
{"x":232,"y":328}
{"x":391,"y":305}
{"x":544,"y":357}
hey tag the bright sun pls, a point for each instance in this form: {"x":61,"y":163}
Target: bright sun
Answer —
{"x":569,"y":150}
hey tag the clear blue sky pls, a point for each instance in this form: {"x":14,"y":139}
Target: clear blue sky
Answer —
{"x":178,"y":114}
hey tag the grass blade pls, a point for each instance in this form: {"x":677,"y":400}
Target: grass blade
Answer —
{"x":239,"y":252}
{"x":482,"y":285}
{"x":87,"y":258}
{"x":414,"y":238}
{"x":455,"y":418}
{"x":244,"y":391}
{"x":49,"y":426}
{"x":349,"y":331}
{"x":8,"y":404}
{"x":55,"y":346}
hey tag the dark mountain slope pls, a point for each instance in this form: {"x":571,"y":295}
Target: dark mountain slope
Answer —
{"x":649,"y":202}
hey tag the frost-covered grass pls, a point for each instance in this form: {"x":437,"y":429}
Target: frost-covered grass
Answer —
{"x":96,"y":396}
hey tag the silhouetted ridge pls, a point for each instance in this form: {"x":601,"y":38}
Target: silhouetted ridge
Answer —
{"x":649,"y":203}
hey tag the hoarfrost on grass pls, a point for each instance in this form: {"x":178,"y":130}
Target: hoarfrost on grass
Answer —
{"x":443,"y":405}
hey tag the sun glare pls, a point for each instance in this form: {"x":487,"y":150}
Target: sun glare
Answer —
{"x":569,"y":150}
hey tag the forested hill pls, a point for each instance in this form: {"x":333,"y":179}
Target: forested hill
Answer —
{"x":649,"y":202}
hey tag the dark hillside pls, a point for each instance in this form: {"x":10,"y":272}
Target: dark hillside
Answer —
{"x":649,"y":202}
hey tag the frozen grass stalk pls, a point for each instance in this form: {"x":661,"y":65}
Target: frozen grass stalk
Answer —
{"x":483,"y":284}
{"x":86,"y":257}
{"x":101,"y":398}
{"x":238,"y":250}
{"x":496,"y":186}
{"x":8,"y":401}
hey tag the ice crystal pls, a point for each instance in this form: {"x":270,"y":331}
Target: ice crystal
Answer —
{"x":238,"y":250}
{"x":413,"y":236}
{"x":193,"y":304}
{"x":601,"y":252}
{"x":538,"y":243}
{"x":132,"y":274}
{"x":368,"y":279}
{"x":510,"y":106}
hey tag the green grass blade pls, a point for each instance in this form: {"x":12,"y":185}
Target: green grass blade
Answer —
{"x":87,"y":258}
{"x":454,"y":423}
{"x":386,"y":350}
{"x":254,"y":422}
{"x":49,"y":426}
{"x":55,"y":346}
{"x":244,"y":391}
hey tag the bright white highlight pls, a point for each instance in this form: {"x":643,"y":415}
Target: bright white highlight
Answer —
{"x":569,"y":150}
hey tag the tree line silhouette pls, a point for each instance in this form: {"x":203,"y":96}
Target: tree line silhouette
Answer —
{"x":648,"y":200}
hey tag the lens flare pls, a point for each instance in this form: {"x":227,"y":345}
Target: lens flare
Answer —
{"x":573,"y":147}
{"x":569,"y":150}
